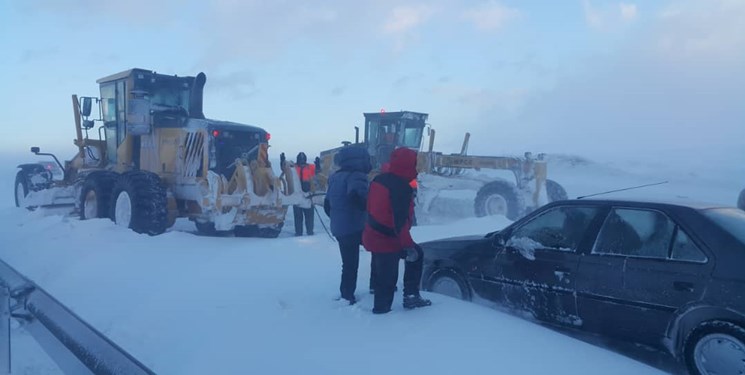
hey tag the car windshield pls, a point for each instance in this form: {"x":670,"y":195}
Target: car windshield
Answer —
{"x":730,"y":219}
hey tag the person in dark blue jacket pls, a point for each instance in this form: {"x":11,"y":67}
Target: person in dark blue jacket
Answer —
{"x":346,"y":203}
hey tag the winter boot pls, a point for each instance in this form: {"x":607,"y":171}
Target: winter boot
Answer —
{"x":351,"y":300}
{"x":379,"y":312}
{"x":415,"y":300}
{"x":372,"y":290}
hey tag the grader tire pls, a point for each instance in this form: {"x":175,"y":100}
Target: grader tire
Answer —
{"x":499,"y":198}
{"x":255,"y":231}
{"x":139,"y":202}
{"x":741,"y":200}
{"x":95,"y":195}
{"x":555,"y":191}
{"x":21,"y":187}
{"x":208,"y":229}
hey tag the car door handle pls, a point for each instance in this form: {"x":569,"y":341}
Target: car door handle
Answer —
{"x":562,"y":272}
{"x":683,"y":286}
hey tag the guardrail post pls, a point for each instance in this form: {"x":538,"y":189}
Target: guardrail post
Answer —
{"x":4,"y":330}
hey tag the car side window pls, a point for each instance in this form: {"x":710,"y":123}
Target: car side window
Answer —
{"x":635,"y":232}
{"x":685,"y":249}
{"x":560,"y":228}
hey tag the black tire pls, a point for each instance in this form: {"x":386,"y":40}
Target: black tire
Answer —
{"x":208,"y":229}
{"x":148,"y":204}
{"x":246,"y":230}
{"x":512,"y":200}
{"x":741,"y":200}
{"x":21,"y":187}
{"x":272,"y":232}
{"x":97,"y":187}
{"x":448,"y":280}
{"x":703,"y":332}
{"x":555,"y":191}
{"x":255,"y":231}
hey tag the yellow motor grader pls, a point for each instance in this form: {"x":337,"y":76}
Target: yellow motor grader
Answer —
{"x":156,"y":158}
{"x":386,"y":131}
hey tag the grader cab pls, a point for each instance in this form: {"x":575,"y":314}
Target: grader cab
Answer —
{"x":155,"y":157}
{"x":386,"y":131}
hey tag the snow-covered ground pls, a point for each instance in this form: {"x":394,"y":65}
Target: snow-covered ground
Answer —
{"x":188,"y":304}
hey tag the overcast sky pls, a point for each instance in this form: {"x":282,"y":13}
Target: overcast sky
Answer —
{"x":604,"y":79}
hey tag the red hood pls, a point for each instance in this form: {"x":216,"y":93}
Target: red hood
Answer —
{"x":403,"y":163}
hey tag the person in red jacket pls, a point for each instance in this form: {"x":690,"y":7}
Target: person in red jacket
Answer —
{"x":390,"y":206}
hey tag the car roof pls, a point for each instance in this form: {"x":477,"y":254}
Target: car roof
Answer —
{"x":648,"y":203}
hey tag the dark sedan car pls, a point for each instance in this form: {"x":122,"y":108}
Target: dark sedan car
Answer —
{"x":666,"y":275}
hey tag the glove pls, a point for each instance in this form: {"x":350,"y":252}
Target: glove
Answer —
{"x":410,"y":254}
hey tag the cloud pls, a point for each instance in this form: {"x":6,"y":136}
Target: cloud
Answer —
{"x":139,"y":12}
{"x":491,"y":15}
{"x":592,"y":16}
{"x":701,"y":30}
{"x":38,"y":54}
{"x":628,"y":11}
{"x":404,"y":18}
{"x":401,"y":81}
{"x":674,"y":90}
{"x":238,"y":84}
{"x":481,"y":99}
{"x":608,"y":16}
{"x":526,"y":63}
{"x":338,"y":90}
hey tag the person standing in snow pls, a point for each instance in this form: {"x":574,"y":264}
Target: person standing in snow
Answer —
{"x":345,"y":203}
{"x":306,"y":172}
{"x":390,"y":206}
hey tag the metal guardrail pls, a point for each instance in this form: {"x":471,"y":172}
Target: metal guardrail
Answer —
{"x":73,"y":344}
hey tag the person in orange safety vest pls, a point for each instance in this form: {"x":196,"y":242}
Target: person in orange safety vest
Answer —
{"x":306,"y":172}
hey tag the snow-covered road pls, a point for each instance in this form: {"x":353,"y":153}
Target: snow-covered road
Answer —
{"x":187,"y":304}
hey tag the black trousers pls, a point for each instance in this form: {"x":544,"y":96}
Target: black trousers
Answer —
{"x":349,"y":247}
{"x":386,"y":276}
{"x":299,"y":213}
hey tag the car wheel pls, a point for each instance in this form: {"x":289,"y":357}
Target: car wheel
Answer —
{"x":716,"y":348}
{"x":449,"y":283}
{"x":741,"y":200}
{"x":499,"y":198}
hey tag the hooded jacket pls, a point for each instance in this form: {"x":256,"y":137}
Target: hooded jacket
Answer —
{"x":390,"y":205}
{"x":305,"y":171}
{"x":346,"y":196}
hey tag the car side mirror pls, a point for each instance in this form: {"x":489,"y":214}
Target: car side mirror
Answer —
{"x":87,"y":104}
{"x":35,"y":150}
{"x":497,"y":241}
